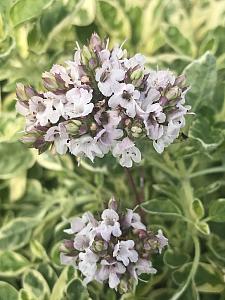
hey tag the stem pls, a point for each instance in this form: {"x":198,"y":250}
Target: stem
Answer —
{"x":208,"y":171}
{"x":138,"y":197}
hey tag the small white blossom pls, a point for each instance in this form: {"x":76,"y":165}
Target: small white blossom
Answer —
{"x":134,"y":220}
{"x":163,"y":241}
{"x":141,"y":266}
{"x":108,"y":78}
{"x":87,"y":265}
{"x":78,"y":104}
{"x":109,"y":225}
{"x":123,"y":251}
{"x":161,"y":79}
{"x":127,"y":153}
{"x":126,"y":97}
{"x":85,"y":146}
{"x":59,"y":136}
{"x":111,"y":271}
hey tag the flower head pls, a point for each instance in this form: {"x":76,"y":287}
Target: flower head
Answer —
{"x":115,"y":249}
{"x":103,"y":101}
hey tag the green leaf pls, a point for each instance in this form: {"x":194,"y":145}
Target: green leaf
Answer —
{"x":16,"y":234}
{"x":7,"y":292}
{"x":58,"y":292}
{"x":203,"y":227}
{"x":25,"y":295}
{"x":217,"y":246}
{"x":49,"y":161}
{"x":15,"y":158}
{"x":175,"y":259}
{"x":198,"y":208}
{"x":217,"y":210}
{"x":24,"y":10}
{"x":201,"y":76}
{"x":12,"y":263}
{"x":113,"y":18}
{"x":35,"y":284}
{"x":48,"y":273}
{"x":208,"y":136}
{"x":177,"y":40}
{"x":38,"y":251}
{"x":76,"y":290}
{"x":162,"y":207}
{"x":84,"y":13}
{"x":209,"y":279}
{"x":17,"y":186}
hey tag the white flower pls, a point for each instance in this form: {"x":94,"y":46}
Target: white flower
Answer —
{"x":153,"y":119}
{"x":163,"y":241}
{"x":22,"y":108}
{"x":87,"y":265}
{"x":123,"y":251}
{"x":161,"y":79}
{"x":85,"y":146}
{"x":125,"y":96}
{"x":44,"y":109}
{"x":107,"y":137}
{"x":78,"y":104}
{"x":81,"y":242}
{"x":62,"y":72}
{"x":137,"y":60}
{"x":109,"y":224}
{"x":134,"y":220}
{"x":127,"y":152}
{"x":108,"y":78}
{"x":111,"y":271}
{"x":170,"y":133}
{"x":59,"y":135}
{"x":141,"y":266}
{"x":68,"y":260}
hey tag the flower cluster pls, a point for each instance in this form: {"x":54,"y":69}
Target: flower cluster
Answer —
{"x":103,"y":101}
{"x":116,"y":249}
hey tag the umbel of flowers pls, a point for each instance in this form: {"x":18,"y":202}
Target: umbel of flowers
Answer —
{"x":116,"y":249}
{"x":103,"y":101}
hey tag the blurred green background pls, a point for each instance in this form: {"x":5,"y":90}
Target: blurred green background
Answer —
{"x":38,"y":194}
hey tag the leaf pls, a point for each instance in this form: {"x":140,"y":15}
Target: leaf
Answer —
{"x":76,"y":290}
{"x":12,"y":263}
{"x":38,"y":251}
{"x":85,"y":13}
{"x":15,"y":158}
{"x":208,"y":136}
{"x":24,"y":10}
{"x":217,"y":246}
{"x":201,"y":76}
{"x":16,"y":234}
{"x":175,"y":259}
{"x":217,"y":210}
{"x":177,"y":40}
{"x":113,"y":18}
{"x":198,"y":208}
{"x":49,"y":161}
{"x":48,"y":273}
{"x":17,"y":186}
{"x":161,"y":207}
{"x":25,"y":295}
{"x":209,"y":279}
{"x":7,"y":291}
{"x":34,"y":283}
{"x":60,"y":285}
{"x":203,"y":227}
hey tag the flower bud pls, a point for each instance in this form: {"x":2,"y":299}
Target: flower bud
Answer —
{"x":136,"y":131}
{"x":123,"y":286}
{"x":66,"y":246}
{"x":49,"y":81}
{"x":93,"y":126}
{"x":95,"y":42}
{"x":29,"y":139}
{"x":99,"y":246}
{"x":137,"y":74}
{"x":151,"y":244}
{"x":24,"y":93}
{"x":86,"y":55}
{"x":181,"y":81}
{"x":112,"y":204}
{"x":172,"y":93}
{"x":73,"y":126}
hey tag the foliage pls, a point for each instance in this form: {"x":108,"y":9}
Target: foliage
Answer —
{"x":184,"y":187}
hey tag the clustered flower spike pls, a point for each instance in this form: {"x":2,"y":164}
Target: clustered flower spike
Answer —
{"x":103,"y":101}
{"x":116,"y":249}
